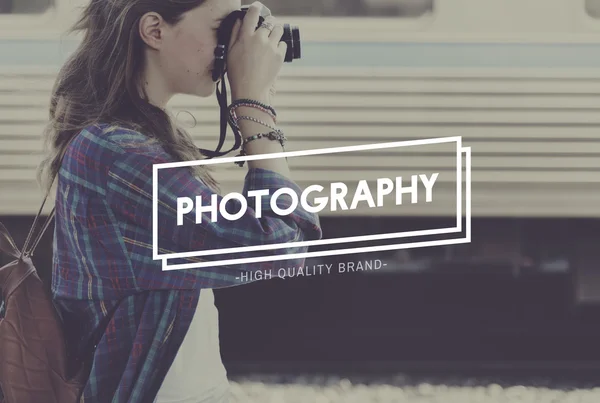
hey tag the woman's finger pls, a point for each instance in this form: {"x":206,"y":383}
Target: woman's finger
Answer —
{"x":276,"y":34}
{"x":282,"y":49}
{"x":266,"y":28}
{"x":250,"y":20}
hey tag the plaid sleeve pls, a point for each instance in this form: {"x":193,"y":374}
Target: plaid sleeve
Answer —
{"x":130,"y":194}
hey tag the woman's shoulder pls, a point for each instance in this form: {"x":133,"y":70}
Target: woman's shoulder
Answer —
{"x":117,"y":141}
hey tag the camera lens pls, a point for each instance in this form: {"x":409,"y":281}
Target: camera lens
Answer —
{"x":291,"y":36}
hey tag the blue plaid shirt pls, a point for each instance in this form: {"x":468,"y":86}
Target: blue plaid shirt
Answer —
{"x":105,"y":281}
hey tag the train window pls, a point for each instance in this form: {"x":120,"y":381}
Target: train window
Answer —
{"x":351,"y":8}
{"x":592,"y":7}
{"x":25,"y":6}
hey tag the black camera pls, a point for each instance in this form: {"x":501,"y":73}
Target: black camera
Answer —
{"x":291,"y":36}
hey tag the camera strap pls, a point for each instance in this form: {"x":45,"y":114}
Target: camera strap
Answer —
{"x":219,"y":71}
{"x":222,"y":100}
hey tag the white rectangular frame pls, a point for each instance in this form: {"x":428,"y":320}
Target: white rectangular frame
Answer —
{"x":457,"y":229}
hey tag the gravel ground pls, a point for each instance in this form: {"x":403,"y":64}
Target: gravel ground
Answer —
{"x":407,"y":389}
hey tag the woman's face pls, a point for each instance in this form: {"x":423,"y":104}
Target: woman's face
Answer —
{"x":186,"y":55}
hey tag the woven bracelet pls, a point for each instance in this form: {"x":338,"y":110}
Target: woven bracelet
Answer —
{"x":276,"y":135}
{"x":250,"y":118}
{"x":273,"y":135}
{"x":260,"y":108}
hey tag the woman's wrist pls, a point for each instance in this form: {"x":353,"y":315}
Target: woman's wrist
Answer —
{"x":262,"y":98}
{"x":255,"y":118}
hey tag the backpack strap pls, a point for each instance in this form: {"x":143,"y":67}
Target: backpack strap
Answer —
{"x":27,"y":251}
{"x":7,"y":244}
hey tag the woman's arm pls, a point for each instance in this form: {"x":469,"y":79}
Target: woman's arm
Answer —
{"x":130,"y":196}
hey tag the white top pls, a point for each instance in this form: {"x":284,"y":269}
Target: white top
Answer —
{"x":197,"y":374}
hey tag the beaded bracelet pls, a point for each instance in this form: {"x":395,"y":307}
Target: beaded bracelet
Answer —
{"x":232,"y":115}
{"x":268,"y":111}
{"x":255,"y":104}
{"x":233,"y":122}
{"x":254,"y":120}
{"x":273,"y":135}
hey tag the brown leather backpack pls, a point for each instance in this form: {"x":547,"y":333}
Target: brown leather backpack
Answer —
{"x":33,"y":356}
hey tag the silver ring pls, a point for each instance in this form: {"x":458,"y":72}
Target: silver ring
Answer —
{"x":267,"y":25}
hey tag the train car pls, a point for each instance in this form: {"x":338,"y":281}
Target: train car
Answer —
{"x":517,"y":80}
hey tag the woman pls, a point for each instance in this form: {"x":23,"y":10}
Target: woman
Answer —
{"x":151,"y":335}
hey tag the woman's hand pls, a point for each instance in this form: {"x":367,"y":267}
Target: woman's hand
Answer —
{"x":254,"y":60}
{"x":255,"y":57}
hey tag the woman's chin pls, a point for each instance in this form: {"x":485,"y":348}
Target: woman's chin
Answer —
{"x":205,"y":91}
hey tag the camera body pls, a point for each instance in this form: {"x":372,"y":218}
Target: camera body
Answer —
{"x":291,"y":36}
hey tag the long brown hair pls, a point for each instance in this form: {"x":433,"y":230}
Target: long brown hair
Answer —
{"x":101,"y":83}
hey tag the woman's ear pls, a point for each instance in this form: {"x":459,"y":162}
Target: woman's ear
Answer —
{"x":151,"y":29}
